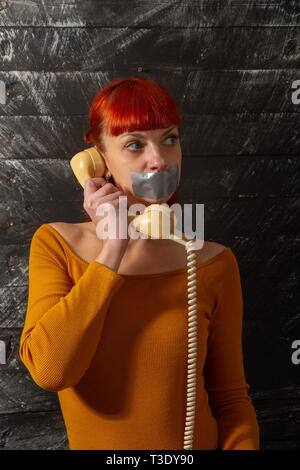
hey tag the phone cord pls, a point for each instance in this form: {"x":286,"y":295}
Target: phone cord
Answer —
{"x":192,"y":345}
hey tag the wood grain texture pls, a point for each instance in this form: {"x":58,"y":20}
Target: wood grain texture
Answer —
{"x":202,"y":176}
{"x":199,"y":92}
{"x":232,"y":67}
{"x":33,"y":431}
{"x":150,"y":13}
{"x":87,"y":49}
{"x":239,"y":134}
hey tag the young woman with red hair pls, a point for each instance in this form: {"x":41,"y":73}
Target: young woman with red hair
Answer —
{"x":106,"y":321}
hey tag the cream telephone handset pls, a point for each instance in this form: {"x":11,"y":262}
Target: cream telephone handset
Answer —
{"x":90,"y":164}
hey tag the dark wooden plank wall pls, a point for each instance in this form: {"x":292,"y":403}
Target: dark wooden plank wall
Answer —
{"x":234,"y":69}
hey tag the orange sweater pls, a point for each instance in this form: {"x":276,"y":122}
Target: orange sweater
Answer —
{"x":114,"y":347}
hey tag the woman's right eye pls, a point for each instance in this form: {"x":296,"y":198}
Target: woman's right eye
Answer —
{"x":131,"y":143}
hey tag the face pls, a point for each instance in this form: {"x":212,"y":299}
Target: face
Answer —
{"x":150,"y":151}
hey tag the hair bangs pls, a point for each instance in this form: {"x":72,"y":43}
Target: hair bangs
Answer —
{"x":133,"y":107}
{"x":130,"y":104}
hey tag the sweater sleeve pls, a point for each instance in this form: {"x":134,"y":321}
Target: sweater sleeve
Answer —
{"x":63,"y":322}
{"x":224,"y":373}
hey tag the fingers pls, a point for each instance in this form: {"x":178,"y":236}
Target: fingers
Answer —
{"x":92,"y":185}
{"x":98,"y":190}
{"x":111,"y":196}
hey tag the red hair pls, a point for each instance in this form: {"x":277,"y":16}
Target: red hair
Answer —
{"x":129,"y":104}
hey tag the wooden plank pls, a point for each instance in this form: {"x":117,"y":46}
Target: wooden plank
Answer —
{"x":278,"y":413}
{"x":196,"y":92}
{"x":203,"y":177}
{"x":44,"y":430}
{"x":225,"y":219}
{"x":87,"y":49}
{"x":148,"y":13}
{"x":14,"y":299}
{"x":238,"y":134}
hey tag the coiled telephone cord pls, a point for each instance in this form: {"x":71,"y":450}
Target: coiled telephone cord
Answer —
{"x":192,"y":345}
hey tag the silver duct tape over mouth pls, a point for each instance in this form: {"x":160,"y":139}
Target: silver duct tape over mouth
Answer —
{"x":156,"y":185}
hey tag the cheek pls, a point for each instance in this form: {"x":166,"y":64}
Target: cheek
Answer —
{"x":123,"y":182}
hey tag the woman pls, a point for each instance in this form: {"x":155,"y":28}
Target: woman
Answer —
{"x":106,"y":321}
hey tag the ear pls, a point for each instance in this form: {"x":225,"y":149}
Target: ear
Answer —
{"x":107,"y":176}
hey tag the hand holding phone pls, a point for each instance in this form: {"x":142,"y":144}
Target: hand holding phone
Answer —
{"x":98,"y":191}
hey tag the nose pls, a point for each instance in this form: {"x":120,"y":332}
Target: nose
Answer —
{"x":157,"y":162}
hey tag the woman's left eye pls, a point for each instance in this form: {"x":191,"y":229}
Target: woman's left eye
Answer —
{"x":174,"y":136}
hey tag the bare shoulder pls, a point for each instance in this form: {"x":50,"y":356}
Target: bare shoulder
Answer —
{"x":81,"y":238}
{"x":209,"y":250}
{"x":70,"y":232}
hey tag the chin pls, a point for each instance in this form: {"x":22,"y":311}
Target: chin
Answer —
{"x":148,"y":202}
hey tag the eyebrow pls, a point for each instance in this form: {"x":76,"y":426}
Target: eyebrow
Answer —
{"x":136,"y":134}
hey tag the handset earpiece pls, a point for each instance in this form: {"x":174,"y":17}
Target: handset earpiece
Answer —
{"x":88,"y":163}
